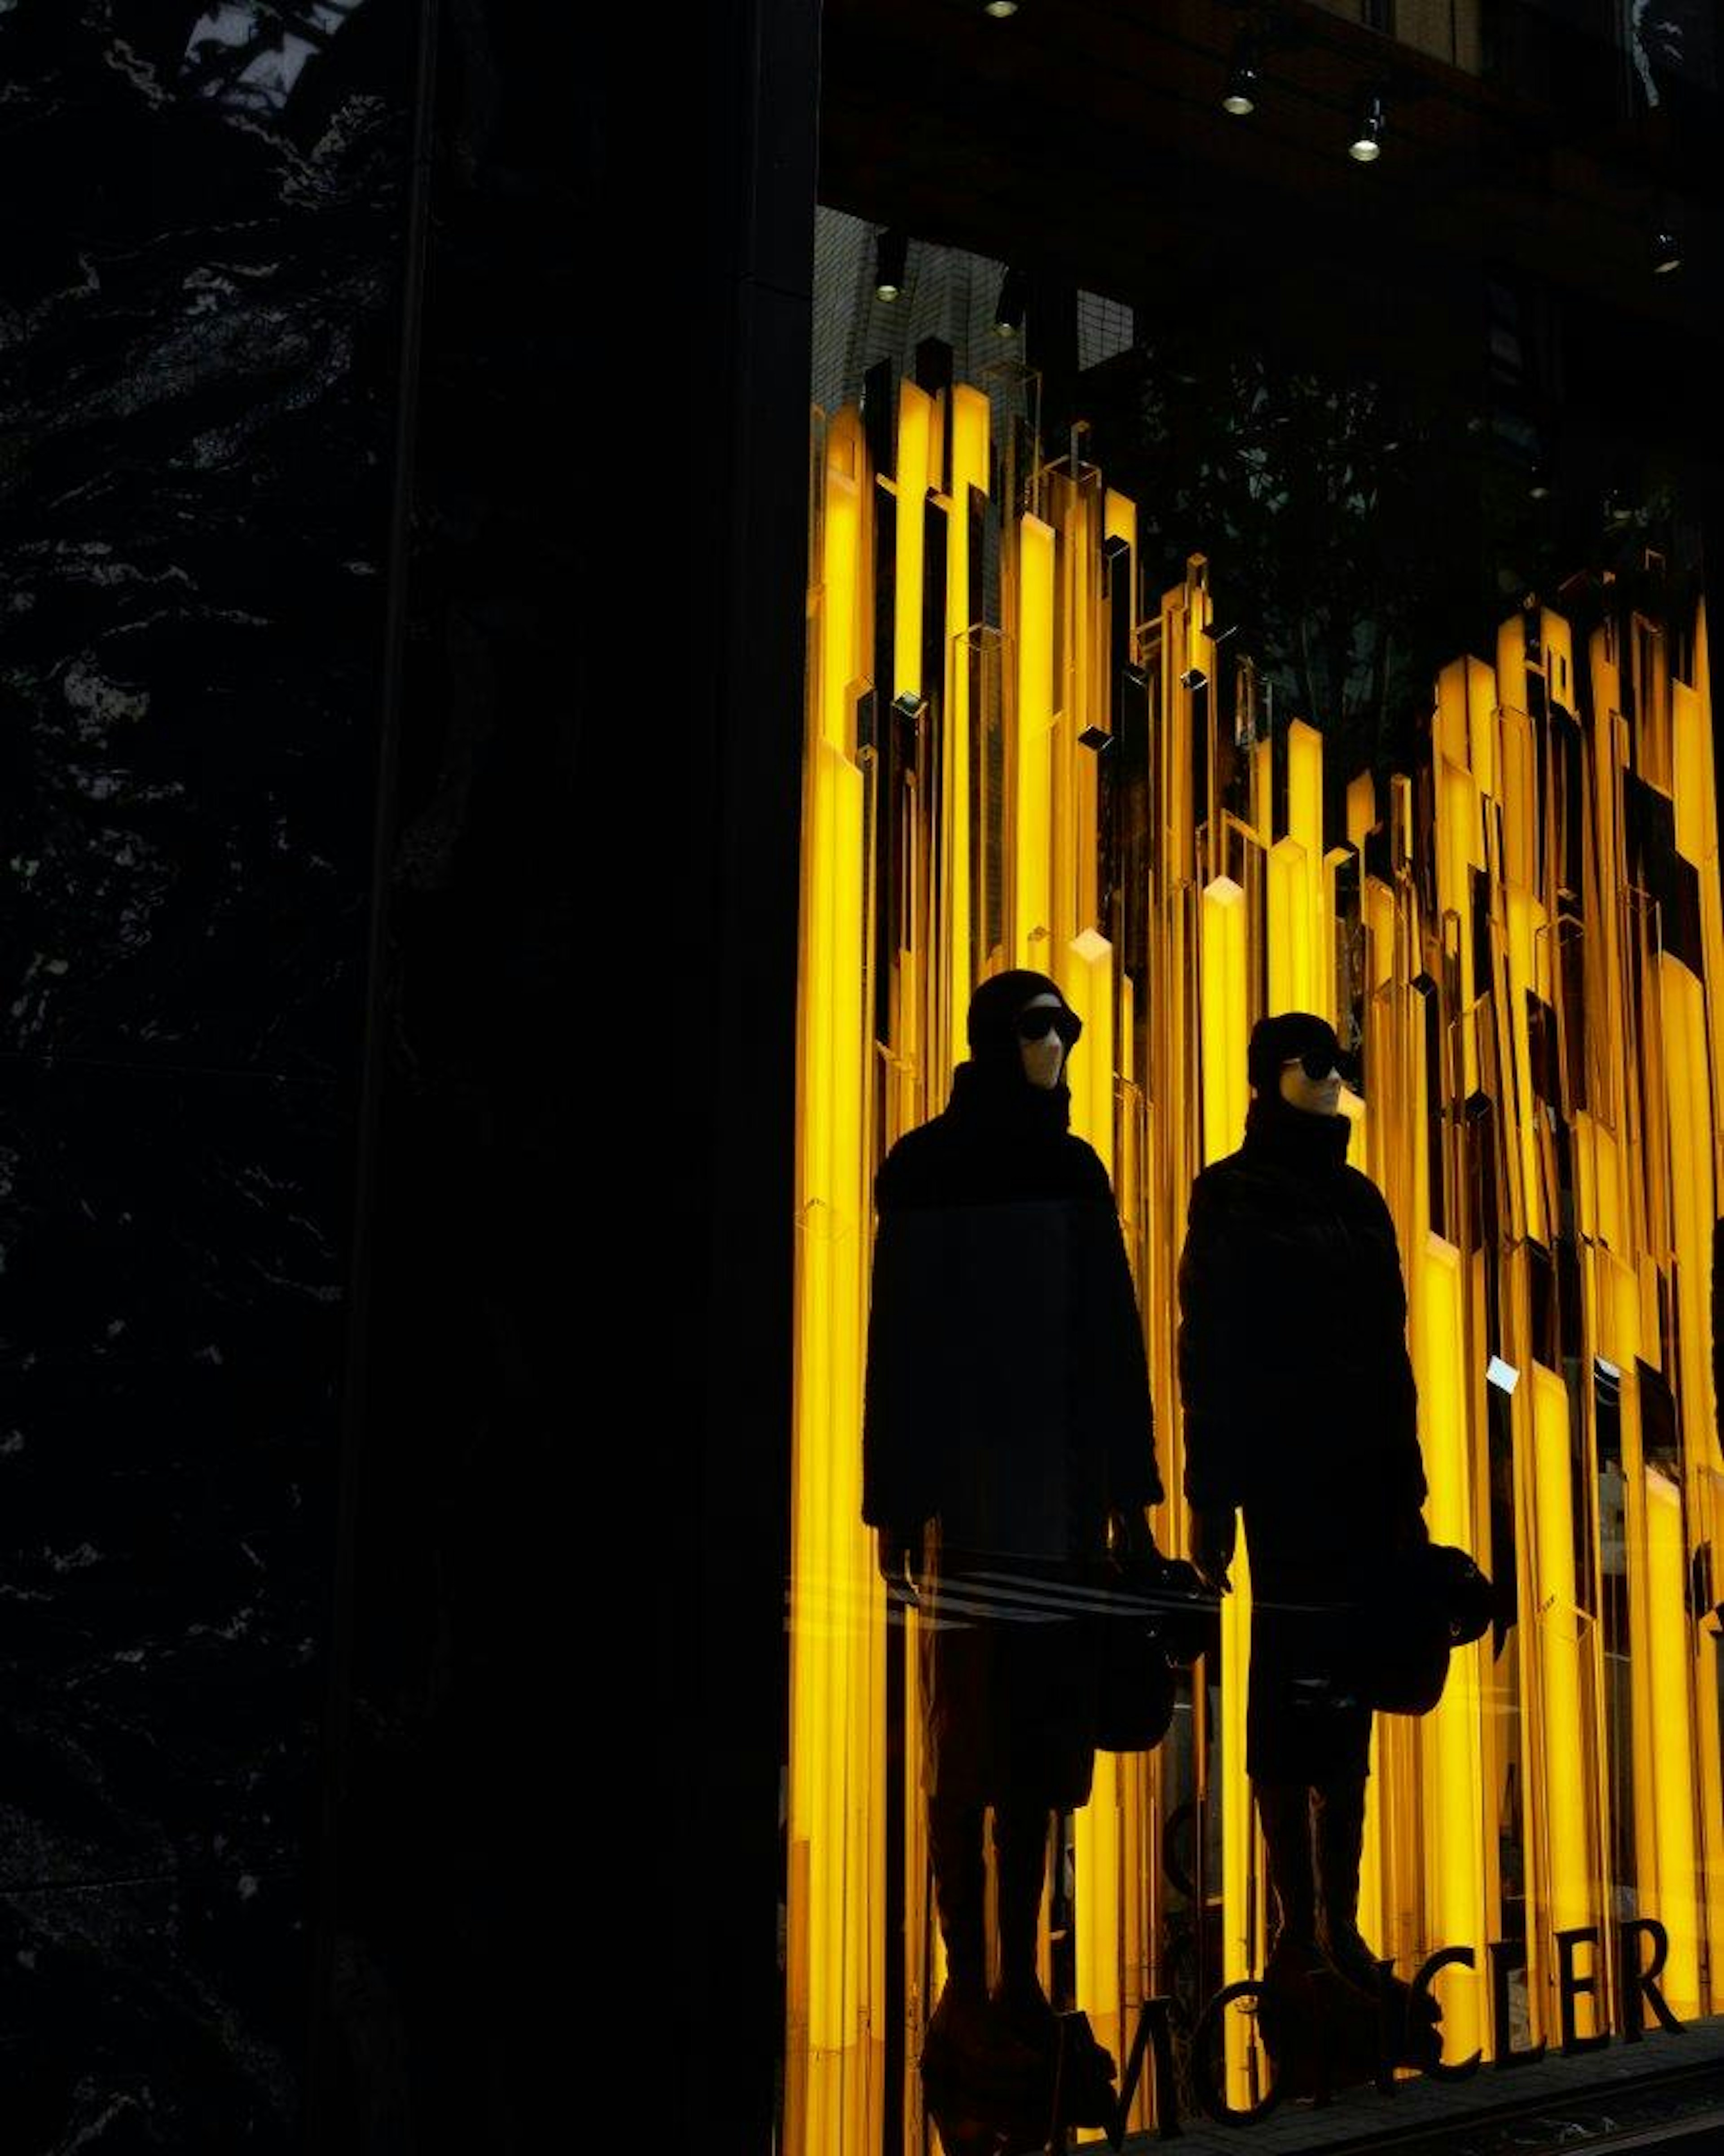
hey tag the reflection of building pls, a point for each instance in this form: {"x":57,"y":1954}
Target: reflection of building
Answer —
{"x":1493,"y":263}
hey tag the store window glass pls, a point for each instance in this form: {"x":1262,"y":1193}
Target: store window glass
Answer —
{"x":1253,"y":1628}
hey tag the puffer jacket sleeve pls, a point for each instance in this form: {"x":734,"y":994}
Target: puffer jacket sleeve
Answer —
{"x":1216,"y":1365}
{"x":902,"y":1396}
{"x":1120,"y":1363}
{"x":1398,"y":1392}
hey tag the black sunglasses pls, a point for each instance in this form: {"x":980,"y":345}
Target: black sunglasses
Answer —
{"x":1317,"y":1062}
{"x":1043,"y":1019}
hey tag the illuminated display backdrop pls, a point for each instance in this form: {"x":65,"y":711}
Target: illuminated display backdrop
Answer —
{"x":1525,"y":937}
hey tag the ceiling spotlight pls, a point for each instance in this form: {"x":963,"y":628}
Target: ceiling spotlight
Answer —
{"x":1366,"y":146}
{"x":892,"y":258}
{"x":1666,"y":252}
{"x":1538,"y":484}
{"x":1009,"y":308}
{"x":999,"y":9}
{"x":1239,"y":97}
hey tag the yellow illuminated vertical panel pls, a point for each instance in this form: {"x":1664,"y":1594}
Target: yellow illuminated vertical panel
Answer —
{"x":1361,"y":808}
{"x":1290,"y":969}
{"x":1225,"y":1090}
{"x":1085,"y":978}
{"x":969,"y":469}
{"x":1380,"y":940}
{"x":1691,"y":774}
{"x":1642,"y":1704}
{"x":1560,"y":1624}
{"x":1096,"y":1839}
{"x":914,"y":439}
{"x":1688,"y":1124}
{"x":1225,"y":1023}
{"x":1086,"y":705}
{"x":1449,"y":729}
{"x":1457,"y":852}
{"x":836,"y":1663}
{"x":1455,"y":1814}
{"x":1527,"y":1194}
{"x":1305,"y":826}
{"x":1119,"y":521}
{"x":1518,"y":787}
{"x":1711,"y":878}
{"x":1676,"y":1900}
{"x":1482,"y":725}
{"x":1511,"y":664}
{"x":840,"y":532}
{"x":1556,"y":641}
{"x":1304,"y":786}
{"x":1694,"y":1211}
{"x":1032,"y":894}
{"x":1085,"y":975}
{"x":969,"y":441}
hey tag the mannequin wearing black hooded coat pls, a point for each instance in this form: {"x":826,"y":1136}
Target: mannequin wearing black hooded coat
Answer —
{"x":1301,"y":1412}
{"x":1008,"y":1414}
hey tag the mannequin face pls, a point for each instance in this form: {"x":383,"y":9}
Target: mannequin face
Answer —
{"x":1317,"y":1097}
{"x":1043,"y":1058}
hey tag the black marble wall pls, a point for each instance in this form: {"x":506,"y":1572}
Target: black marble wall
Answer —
{"x":403,"y":437}
{"x":199,"y":302}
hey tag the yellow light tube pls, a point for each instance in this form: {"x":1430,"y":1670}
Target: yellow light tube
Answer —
{"x":915,"y":430}
{"x":1225,"y":1023}
{"x":1560,"y":1650}
{"x":1675,"y":1899}
{"x":1482,"y":725}
{"x":1361,"y":808}
{"x":837,"y":1669}
{"x":1448,"y":726}
{"x":1524,"y":1162}
{"x":838,"y":601}
{"x":1031,"y":887}
{"x":969,"y":469}
{"x":1693,"y":1210}
{"x":1454,"y":1809}
{"x":1225,"y":1090}
{"x":1305,"y":826}
{"x":1457,"y":849}
{"x":1085,"y":978}
{"x":1686,"y":719}
{"x":1290,"y":984}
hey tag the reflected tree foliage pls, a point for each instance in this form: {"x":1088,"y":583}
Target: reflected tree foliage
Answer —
{"x":1346,"y":522}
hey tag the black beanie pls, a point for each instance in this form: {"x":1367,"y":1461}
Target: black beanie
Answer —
{"x":1275,"y":1041}
{"x":994,"y":1008}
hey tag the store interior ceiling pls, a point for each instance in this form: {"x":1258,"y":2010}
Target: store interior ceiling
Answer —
{"x":1085,"y":139}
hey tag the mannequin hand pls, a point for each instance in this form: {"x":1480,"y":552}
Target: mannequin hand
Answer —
{"x":1130,"y":1537}
{"x":898,"y":1550}
{"x":1213,"y":1537}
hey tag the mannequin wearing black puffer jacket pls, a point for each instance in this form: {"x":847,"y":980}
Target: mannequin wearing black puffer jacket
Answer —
{"x":1301,"y":1411}
{"x":1008,"y":1431}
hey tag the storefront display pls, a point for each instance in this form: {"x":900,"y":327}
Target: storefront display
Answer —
{"x":1021,"y":752}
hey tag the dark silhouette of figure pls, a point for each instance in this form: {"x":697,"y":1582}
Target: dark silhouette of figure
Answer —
{"x":1301,"y":1412}
{"x":1008,"y":1437}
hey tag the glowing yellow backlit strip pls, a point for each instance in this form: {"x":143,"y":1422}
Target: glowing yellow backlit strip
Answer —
{"x":1032,"y":888}
{"x":1455,"y":1812}
{"x":1675,"y":1899}
{"x":912,"y":475}
{"x":1559,"y":1651}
